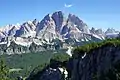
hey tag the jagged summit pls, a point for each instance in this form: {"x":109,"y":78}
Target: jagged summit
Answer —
{"x":56,"y":23}
{"x":53,"y":29}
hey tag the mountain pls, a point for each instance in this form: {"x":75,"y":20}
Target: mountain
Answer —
{"x":27,"y":29}
{"x":111,"y":33}
{"x":61,"y":27}
{"x":54,"y":31}
{"x":98,"y":32}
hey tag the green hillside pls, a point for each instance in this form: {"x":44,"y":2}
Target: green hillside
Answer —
{"x":23,"y":64}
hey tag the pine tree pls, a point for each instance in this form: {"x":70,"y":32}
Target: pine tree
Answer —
{"x":3,"y":71}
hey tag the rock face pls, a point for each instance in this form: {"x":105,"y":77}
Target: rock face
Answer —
{"x":58,"y":18}
{"x":51,"y":72}
{"x":96,"y":64}
{"x":79,"y":23}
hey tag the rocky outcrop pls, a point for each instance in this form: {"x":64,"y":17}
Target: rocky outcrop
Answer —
{"x":53,"y":71}
{"x":96,"y":64}
{"x":16,"y":48}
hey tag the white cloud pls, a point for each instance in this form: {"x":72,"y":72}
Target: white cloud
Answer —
{"x":68,"y":5}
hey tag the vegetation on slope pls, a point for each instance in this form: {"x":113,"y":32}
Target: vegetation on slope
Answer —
{"x":57,"y":60}
{"x":61,"y":57}
{"x":23,"y":64}
{"x":4,"y":71}
{"x":80,"y":51}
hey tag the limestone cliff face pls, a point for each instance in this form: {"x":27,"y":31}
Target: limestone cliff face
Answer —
{"x":96,"y":63}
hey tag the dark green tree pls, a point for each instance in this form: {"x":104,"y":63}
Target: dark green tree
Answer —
{"x":4,"y":71}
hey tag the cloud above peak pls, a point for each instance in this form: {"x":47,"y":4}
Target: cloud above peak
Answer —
{"x":68,"y":5}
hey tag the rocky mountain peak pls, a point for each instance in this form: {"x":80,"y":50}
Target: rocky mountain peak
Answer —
{"x":92,"y":30}
{"x":42,"y":24}
{"x":74,"y":19}
{"x":35,"y":22}
{"x":58,"y":18}
{"x":111,"y":30}
{"x":99,"y":31}
{"x":12,"y":31}
{"x":79,"y":23}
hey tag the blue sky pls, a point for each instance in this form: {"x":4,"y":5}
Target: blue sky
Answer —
{"x":96,"y":13}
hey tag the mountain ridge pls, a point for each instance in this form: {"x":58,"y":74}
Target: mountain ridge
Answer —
{"x":54,"y":29}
